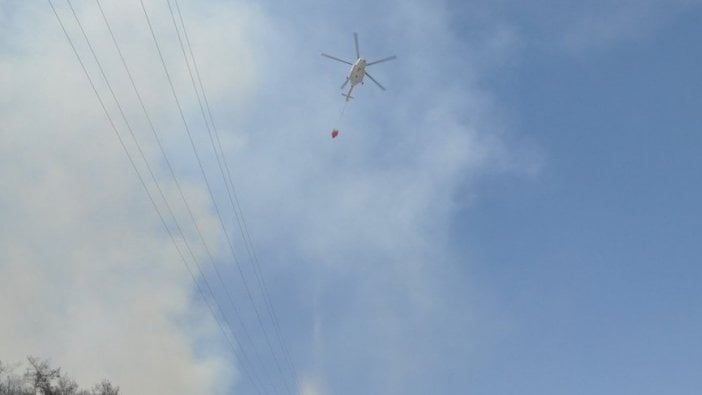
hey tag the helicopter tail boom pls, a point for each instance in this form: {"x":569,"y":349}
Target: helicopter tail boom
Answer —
{"x":347,"y":95}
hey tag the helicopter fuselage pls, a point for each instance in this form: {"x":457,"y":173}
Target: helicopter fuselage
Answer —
{"x":357,"y":72}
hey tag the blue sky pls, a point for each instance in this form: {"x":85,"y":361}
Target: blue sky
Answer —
{"x":596,"y":259}
{"x":518,"y":213}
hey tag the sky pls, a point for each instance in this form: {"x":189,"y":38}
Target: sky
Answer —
{"x":517,"y":213}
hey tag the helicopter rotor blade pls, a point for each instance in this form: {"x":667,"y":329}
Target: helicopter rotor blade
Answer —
{"x":382,"y":60}
{"x":355,"y":40}
{"x":344,"y":84}
{"x":376,"y":82}
{"x":337,"y":59}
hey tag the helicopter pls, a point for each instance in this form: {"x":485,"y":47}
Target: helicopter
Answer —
{"x":358,"y":69}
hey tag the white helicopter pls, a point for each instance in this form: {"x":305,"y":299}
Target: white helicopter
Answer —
{"x":358,"y":69}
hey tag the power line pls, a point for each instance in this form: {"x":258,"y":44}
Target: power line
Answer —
{"x":236,"y":207}
{"x":177,"y":183}
{"x":146,"y":189}
{"x":207,"y":183}
{"x":227,"y":187}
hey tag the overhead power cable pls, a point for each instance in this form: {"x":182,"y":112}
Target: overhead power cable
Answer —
{"x":220,"y":157}
{"x":237,"y":314}
{"x":221,"y":326}
{"x":206,"y":179}
{"x":233,"y":197}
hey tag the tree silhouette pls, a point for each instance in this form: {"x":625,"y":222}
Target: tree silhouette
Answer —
{"x":40,"y":378}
